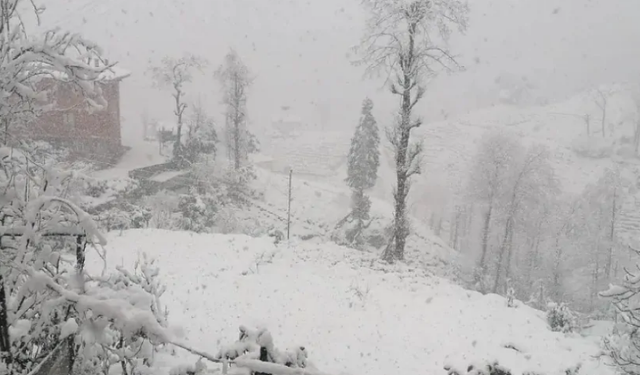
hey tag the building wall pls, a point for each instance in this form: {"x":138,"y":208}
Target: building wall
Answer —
{"x":91,"y":134}
{"x":71,"y":120}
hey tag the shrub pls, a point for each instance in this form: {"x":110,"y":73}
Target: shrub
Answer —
{"x":124,"y":216}
{"x":198,"y":212}
{"x":561,"y":318}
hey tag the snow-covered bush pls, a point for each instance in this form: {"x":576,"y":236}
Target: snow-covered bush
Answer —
{"x":124,"y":216}
{"x":495,"y":368}
{"x":623,"y":345}
{"x":163,"y":207}
{"x":483,"y":369}
{"x":561,"y":318}
{"x":198,"y":212}
{"x":593,"y":147}
{"x":131,"y":351}
{"x":237,"y":183}
{"x":229,"y":221}
{"x":256,"y":346}
{"x":53,"y":307}
{"x":363,"y":236}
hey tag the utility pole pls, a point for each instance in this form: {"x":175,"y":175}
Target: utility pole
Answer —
{"x":289,"y":205}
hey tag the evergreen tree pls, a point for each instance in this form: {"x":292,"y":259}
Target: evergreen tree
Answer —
{"x":362,"y":165}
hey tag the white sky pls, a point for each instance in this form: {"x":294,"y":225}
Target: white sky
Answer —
{"x":299,"y":51}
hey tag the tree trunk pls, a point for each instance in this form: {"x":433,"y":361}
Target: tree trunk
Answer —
{"x":604,"y":117}
{"x":609,"y":263}
{"x":503,"y":248}
{"x":485,"y":239}
{"x":596,"y":278}
{"x":401,"y":230}
{"x":557,"y":269}
{"x":507,"y":274}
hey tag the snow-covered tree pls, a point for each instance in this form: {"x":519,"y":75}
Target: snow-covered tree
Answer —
{"x":51,"y":310}
{"x":175,"y":73}
{"x":406,"y":40}
{"x":235,"y":80}
{"x":490,"y":174}
{"x":362,"y":166}
{"x":623,"y":346}
{"x":533,"y":183}
{"x":202,"y":138}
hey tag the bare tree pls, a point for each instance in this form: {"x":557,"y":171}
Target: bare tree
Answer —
{"x":174,"y":73}
{"x":235,"y":78}
{"x":489,"y":177}
{"x":533,"y":183}
{"x":400,"y":40}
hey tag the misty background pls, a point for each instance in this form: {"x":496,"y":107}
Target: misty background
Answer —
{"x":299,"y":52}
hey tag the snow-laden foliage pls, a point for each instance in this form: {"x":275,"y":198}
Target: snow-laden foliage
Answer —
{"x":198,"y":211}
{"x":480,"y":369}
{"x":257,"y":344}
{"x":202,"y":138}
{"x":112,"y":348}
{"x":362,"y":171}
{"x":561,"y":318}
{"x":124,"y":215}
{"x":54,"y":310}
{"x":363,"y":159}
{"x":237,"y":183}
{"x":163,"y":207}
{"x":235,"y":80}
{"x":623,"y":346}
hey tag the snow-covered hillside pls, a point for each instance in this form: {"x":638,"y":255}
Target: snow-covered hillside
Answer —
{"x":354,"y":314}
{"x":317,"y":207}
{"x":451,"y":145}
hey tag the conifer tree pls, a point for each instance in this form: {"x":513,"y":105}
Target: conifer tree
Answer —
{"x":362,"y":165}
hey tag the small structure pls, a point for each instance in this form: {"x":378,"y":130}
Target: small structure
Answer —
{"x":88,"y":132}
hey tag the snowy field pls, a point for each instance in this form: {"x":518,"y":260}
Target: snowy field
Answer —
{"x":354,"y":314}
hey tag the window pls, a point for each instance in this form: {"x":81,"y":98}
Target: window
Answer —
{"x":69,"y":120}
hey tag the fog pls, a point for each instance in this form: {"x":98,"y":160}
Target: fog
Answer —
{"x":300,"y":51}
{"x":181,"y":181}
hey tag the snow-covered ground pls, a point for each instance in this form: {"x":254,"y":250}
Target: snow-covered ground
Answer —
{"x":316,"y":208}
{"x":140,"y":155}
{"x":354,"y":314}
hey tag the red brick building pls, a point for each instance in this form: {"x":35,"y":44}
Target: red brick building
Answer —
{"x":90,"y":133}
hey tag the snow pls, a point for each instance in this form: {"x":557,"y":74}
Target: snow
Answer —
{"x":166,"y":176}
{"x":142,"y":154}
{"x":352,"y":313}
{"x":69,"y":327}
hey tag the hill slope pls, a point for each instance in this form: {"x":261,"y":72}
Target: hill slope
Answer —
{"x":354,"y":314}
